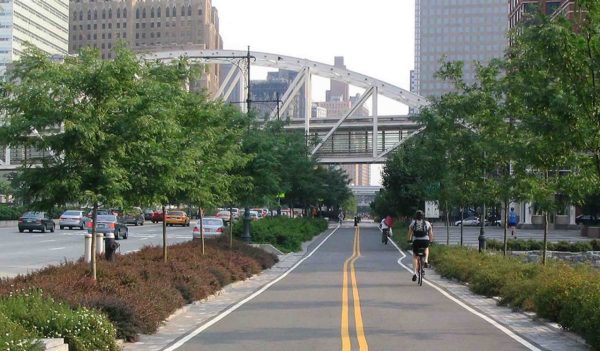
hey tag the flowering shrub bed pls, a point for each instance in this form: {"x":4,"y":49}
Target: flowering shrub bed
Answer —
{"x":568,"y":295}
{"x":533,"y":245}
{"x":30,"y":314}
{"x":138,"y":291}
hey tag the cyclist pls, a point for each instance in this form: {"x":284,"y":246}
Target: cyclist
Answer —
{"x":420,"y":232}
{"x":386,"y":227}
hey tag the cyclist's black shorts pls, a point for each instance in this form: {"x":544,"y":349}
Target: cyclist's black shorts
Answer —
{"x":418,"y":244}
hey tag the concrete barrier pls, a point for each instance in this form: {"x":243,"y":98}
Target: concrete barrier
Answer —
{"x":54,"y":345}
{"x":6,"y":224}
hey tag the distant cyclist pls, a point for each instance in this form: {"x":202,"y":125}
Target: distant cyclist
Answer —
{"x":513,"y":220}
{"x":420,"y":232}
{"x":386,"y":228}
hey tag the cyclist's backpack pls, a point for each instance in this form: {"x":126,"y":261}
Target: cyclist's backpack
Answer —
{"x":419,"y":229}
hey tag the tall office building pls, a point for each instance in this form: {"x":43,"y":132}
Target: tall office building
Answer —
{"x":265,"y":94}
{"x":519,"y":8}
{"x":147,"y":26}
{"x":42,"y":23}
{"x":465,"y":30}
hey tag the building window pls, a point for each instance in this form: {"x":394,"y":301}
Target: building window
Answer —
{"x":125,"y":13}
{"x":158,"y":25}
{"x":75,"y":15}
{"x":103,"y":13}
{"x":89,"y":27}
{"x":137,"y":13}
{"x":137,"y":35}
{"x":124,"y":35}
{"x":89,"y":15}
{"x":109,"y":35}
{"x":124,"y":24}
{"x":95,"y":14}
{"x":189,"y":10}
{"x":167,"y":12}
{"x":182,"y":11}
{"x":103,"y":25}
{"x":137,"y":24}
{"x":109,"y":44}
{"x":110,"y":26}
{"x":152,"y":12}
{"x":174,"y":12}
{"x":144,"y":13}
{"x":199,"y":12}
{"x":158,"y":12}
{"x":81,"y":15}
{"x":109,"y":13}
{"x":119,"y":12}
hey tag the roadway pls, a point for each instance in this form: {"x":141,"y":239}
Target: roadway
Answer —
{"x":349,"y":293}
{"x":21,"y":253}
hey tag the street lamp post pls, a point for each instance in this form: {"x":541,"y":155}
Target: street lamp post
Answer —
{"x":247,"y":57}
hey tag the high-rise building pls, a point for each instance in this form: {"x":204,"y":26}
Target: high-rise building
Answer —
{"x":266,"y":92}
{"x":42,"y":23}
{"x":146,"y":26}
{"x":519,"y":8}
{"x":457,"y":30}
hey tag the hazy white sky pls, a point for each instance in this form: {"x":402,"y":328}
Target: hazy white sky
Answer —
{"x":376,"y":37}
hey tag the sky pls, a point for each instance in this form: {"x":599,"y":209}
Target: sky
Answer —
{"x":376,"y":37}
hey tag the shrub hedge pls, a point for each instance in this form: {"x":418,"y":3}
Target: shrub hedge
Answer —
{"x":13,"y":337}
{"x":10,"y":213}
{"x":568,"y":295}
{"x":533,"y":245}
{"x":286,"y":234}
{"x":138,"y":291}
{"x":30,"y":314}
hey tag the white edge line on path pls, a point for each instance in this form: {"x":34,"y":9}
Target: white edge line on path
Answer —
{"x":57,"y":248}
{"x":507,"y":331}
{"x":224,"y":314}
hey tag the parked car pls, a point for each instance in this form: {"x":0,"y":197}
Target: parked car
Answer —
{"x":133,"y":216}
{"x":587,"y":219}
{"x":213,"y":227}
{"x":36,"y":221}
{"x":469,"y":221}
{"x":110,"y":224}
{"x":224,"y":215}
{"x":254,"y":216}
{"x":177,"y":218}
{"x":72,"y":218}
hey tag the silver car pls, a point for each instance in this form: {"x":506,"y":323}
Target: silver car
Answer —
{"x":110,"y":224}
{"x":72,"y":218}
{"x":213,"y":227}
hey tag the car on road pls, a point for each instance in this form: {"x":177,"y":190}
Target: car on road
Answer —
{"x":148,"y":213}
{"x":36,"y":221}
{"x":587,"y":219}
{"x":157,"y":216}
{"x":224,"y":215}
{"x":212,"y":227}
{"x":72,"y":219}
{"x":110,"y":224}
{"x":177,"y":218}
{"x":472,"y":221}
{"x":133,"y":216}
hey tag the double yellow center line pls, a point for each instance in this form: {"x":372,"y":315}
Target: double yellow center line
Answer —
{"x":345,"y":329}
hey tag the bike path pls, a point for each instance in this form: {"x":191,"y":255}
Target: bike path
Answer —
{"x":306,"y":310}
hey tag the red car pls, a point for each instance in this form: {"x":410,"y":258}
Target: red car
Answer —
{"x":157,"y":216}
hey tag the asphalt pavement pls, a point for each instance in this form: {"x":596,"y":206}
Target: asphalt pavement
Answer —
{"x":21,"y":253}
{"x":347,"y":291}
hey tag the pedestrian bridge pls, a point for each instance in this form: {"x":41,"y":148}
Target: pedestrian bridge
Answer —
{"x":344,"y":139}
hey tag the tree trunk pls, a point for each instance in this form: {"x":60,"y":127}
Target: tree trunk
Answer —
{"x":164,"y":230}
{"x":447,"y":225}
{"x":200,"y":213}
{"x":545,"y":247}
{"x":504,"y":225}
{"x":462,"y":218}
{"x":93,"y":249}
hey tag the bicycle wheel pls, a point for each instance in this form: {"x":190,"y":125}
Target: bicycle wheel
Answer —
{"x":421,"y":270}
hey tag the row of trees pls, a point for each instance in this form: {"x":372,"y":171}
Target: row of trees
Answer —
{"x":126,"y":132}
{"x":528,"y":129}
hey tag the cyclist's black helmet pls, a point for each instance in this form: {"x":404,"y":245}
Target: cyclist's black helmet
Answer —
{"x":419,"y":215}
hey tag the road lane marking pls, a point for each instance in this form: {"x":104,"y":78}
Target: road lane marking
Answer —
{"x":358,"y":322}
{"x":227,"y":312}
{"x":57,"y":248}
{"x":499,"y":326}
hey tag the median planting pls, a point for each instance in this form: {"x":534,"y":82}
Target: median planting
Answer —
{"x":566,"y":294}
{"x":139,"y":290}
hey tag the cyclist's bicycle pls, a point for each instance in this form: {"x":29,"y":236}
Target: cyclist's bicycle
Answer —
{"x":420,"y":264}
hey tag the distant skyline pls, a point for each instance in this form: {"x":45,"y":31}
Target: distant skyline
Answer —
{"x":376,"y":38}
